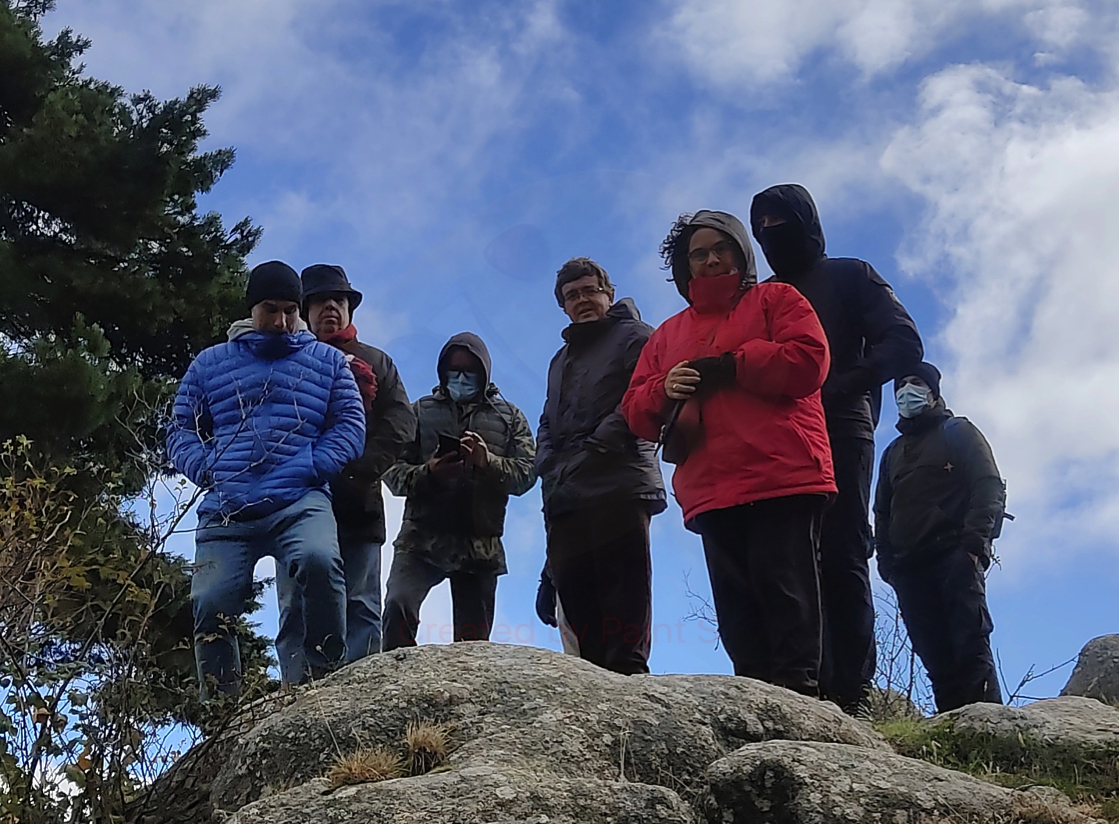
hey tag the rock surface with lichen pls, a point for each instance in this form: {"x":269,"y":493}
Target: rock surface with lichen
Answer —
{"x":816,"y":783}
{"x":545,"y":738}
{"x":1097,"y":671}
{"x":1059,"y":726}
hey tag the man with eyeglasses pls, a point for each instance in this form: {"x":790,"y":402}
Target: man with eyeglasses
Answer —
{"x":872,"y":340}
{"x":601,"y":484}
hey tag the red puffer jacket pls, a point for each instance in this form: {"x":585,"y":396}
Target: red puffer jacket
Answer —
{"x":764,"y":436}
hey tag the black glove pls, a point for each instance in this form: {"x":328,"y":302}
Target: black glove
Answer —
{"x":978,"y":548}
{"x":715,"y":372}
{"x":546,"y":601}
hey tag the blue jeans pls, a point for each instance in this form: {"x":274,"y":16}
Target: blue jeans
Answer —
{"x":302,"y":537}
{"x":361,"y":564}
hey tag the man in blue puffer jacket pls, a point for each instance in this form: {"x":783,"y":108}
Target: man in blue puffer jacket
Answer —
{"x":262,"y":424}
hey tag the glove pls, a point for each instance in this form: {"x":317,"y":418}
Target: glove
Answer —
{"x":715,"y":372}
{"x":546,"y":601}
{"x":977,"y":548}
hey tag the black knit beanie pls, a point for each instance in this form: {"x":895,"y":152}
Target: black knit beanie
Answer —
{"x":926,"y":372}
{"x":274,"y":280}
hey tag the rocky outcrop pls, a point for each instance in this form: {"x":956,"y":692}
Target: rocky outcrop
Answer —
{"x":530,"y":727}
{"x":1097,"y":671}
{"x":1054,"y":729}
{"x":549,"y":739}
{"x":470,"y":795}
{"x":796,"y":782}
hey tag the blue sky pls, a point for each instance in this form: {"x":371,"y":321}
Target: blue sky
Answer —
{"x":452,"y":154}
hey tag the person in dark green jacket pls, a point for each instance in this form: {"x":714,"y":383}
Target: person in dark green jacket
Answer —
{"x":472,"y":450}
{"x":939,"y":500}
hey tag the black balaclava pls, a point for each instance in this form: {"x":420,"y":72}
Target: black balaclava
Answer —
{"x":796,"y":245}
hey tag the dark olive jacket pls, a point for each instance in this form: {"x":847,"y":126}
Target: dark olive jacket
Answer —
{"x":458,"y":524}
{"x":389,"y":427}
{"x":938,"y":489}
{"x":585,"y":452}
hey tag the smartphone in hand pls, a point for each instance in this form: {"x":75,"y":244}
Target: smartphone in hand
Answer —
{"x":448,"y":446}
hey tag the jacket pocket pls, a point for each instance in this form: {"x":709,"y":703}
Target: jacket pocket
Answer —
{"x":306,"y":468}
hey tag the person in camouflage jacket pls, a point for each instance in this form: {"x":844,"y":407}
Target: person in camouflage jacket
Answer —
{"x":454,"y":515}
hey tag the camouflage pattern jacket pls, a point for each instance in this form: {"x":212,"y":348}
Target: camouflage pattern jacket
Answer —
{"x":457,"y":525}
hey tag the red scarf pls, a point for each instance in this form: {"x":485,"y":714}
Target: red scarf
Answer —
{"x":363,"y":372}
{"x":715,"y":294}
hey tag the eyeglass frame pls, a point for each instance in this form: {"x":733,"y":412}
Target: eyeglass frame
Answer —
{"x":700,"y":255}
{"x":585,"y":292}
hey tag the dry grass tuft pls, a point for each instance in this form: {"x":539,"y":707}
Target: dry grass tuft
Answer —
{"x":365,"y":766}
{"x":1029,"y":809}
{"x":427,"y":745}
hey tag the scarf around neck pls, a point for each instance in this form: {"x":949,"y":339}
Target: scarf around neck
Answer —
{"x":363,"y":372}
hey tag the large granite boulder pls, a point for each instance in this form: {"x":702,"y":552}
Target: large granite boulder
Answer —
{"x":1097,"y":671}
{"x":1069,"y":728}
{"x":796,"y":782}
{"x":542,"y":738}
{"x":534,"y":733}
{"x":470,"y":795}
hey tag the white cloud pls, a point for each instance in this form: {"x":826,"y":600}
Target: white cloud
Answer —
{"x":365,"y":134}
{"x":729,"y":42}
{"x":1022,"y":187}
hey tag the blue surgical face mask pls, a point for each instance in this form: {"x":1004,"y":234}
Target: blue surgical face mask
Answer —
{"x":912,"y":400}
{"x":463,"y":386}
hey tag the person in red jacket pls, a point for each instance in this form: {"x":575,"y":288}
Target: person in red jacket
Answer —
{"x":737,"y":377}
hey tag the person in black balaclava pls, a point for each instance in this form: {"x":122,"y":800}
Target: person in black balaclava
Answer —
{"x":873,"y":340}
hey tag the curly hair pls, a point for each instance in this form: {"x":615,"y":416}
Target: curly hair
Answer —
{"x":680,"y":229}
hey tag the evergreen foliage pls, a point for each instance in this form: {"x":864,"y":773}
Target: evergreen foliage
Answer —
{"x":111,"y":281}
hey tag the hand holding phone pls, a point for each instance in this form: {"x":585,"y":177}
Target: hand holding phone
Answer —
{"x":448,"y":446}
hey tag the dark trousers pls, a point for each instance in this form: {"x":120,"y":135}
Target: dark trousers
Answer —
{"x":944,"y":605}
{"x":761,"y":558}
{"x":850,"y":657}
{"x":599,"y":558}
{"x":412,"y":577}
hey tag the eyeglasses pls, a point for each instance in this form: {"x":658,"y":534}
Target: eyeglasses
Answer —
{"x":723,"y":250}
{"x":579,"y":294}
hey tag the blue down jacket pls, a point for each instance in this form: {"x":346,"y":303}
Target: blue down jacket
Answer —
{"x":262,"y":420}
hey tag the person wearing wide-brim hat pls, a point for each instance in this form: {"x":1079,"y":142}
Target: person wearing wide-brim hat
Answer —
{"x":324,"y":279}
{"x":329,"y":301}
